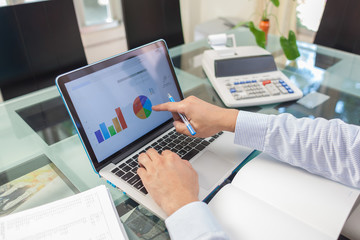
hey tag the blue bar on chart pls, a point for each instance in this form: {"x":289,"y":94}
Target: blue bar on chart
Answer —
{"x":104,"y":131}
{"x":99,"y":136}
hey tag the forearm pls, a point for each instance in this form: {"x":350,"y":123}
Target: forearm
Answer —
{"x":327,"y":148}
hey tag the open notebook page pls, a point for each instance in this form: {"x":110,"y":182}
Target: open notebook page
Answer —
{"x":246,"y":217}
{"x":319,"y":202}
{"x":87,"y":215}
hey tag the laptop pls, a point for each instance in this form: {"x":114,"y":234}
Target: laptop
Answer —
{"x":110,"y":104}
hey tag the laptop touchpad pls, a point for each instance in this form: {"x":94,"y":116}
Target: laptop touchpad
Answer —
{"x":210,"y":168}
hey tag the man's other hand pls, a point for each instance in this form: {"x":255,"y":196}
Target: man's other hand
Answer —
{"x":171,"y":181}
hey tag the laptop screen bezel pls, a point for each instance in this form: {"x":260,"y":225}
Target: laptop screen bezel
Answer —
{"x":89,"y":69}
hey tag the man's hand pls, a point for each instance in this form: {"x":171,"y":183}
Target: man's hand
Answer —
{"x":206,"y":119}
{"x":171,"y":181}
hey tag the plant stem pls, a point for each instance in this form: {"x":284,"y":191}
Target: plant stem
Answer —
{"x":265,"y":14}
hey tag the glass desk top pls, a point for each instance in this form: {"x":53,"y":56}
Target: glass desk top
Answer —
{"x":37,"y":126}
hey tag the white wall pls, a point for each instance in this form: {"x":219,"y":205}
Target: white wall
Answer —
{"x":104,"y":43}
{"x":194,"y":12}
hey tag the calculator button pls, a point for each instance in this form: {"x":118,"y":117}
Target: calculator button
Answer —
{"x":283,"y":90}
{"x":272,"y":89}
{"x":266,"y":82}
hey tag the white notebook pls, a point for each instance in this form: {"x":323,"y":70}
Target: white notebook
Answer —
{"x":87,"y":215}
{"x":269,"y":199}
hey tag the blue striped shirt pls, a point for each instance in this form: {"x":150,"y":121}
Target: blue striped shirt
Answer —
{"x":329,"y":148}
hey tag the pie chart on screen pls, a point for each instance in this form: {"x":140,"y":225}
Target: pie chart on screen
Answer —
{"x":142,"y":107}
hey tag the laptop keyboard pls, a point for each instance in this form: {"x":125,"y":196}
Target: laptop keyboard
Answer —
{"x":186,"y":147}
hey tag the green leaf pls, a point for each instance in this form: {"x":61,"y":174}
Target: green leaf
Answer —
{"x":258,"y":34}
{"x":275,"y":2}
{"x":289,"y":46}
{"x":241,"y":24}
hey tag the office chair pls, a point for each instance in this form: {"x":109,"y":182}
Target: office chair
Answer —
{"x":149,"y":20}
{"x":339,"y":27}
{"x":39,"y":41}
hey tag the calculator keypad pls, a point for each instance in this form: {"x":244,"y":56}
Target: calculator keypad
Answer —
{"x":257,"y":88}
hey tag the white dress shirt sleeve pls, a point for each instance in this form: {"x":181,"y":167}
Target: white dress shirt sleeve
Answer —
{"x":194,"y":221}
{"x":329,"y":148}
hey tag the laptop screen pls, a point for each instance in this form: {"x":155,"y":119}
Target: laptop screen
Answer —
{"x":113,"y":103}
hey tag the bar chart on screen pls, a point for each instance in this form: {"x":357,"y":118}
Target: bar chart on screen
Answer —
{"x":119,"y":124}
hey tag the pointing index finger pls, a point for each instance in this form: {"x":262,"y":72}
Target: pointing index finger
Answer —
{"x":175,"y":107}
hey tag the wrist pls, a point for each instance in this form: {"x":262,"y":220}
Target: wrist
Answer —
{"x":173,"y":206}
{"x":229,"y":120}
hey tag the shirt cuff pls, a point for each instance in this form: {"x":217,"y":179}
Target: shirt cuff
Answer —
{"x":251,"y":129}
{"x":193,"y":221}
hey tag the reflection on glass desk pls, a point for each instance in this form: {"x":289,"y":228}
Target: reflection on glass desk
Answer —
{"x":49,"y":119}
{"x":31,"y":184}
{"x":38,"y":124}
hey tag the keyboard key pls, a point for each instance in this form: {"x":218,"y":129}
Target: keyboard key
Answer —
{"x":127,"y":176}
{"x":134,"y":180}
{"x":115,"y":170}
{"x":143,"y":190}
{"x":182,"y":152}
{"x":119,"y":173}
{"x":126,"y":168}
{"x":200,"y":147}
{"x":192,"y":144}
{"x":133,"y":163}
{"x":138,"y":185}
{"x":190,"y":154}
{"x":206,"y":143}
{"x":162,"y":143}
{"x":171,"y":145}
{"x":182,"y":137}
{"x":187,"y":148}
{"x":158,"y":148}
{"x":178,"y":147}
{"x":174,"y":150}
